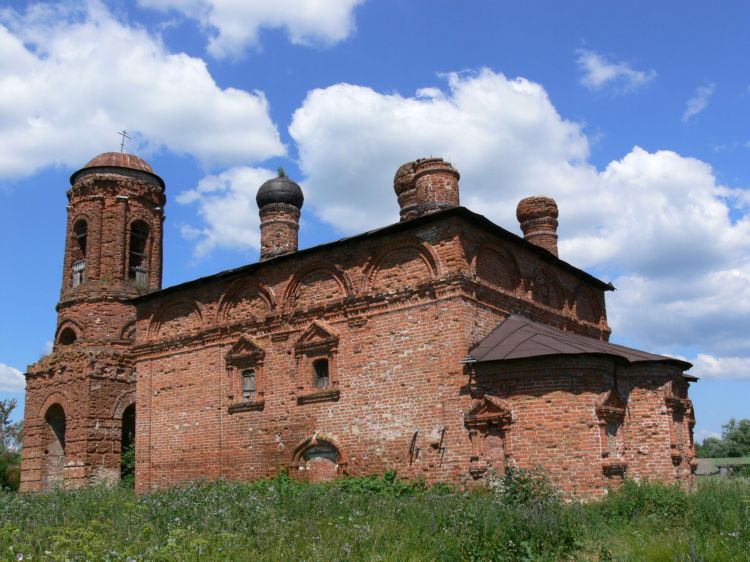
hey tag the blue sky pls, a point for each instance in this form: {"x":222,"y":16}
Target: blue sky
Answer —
{"x":635,"y":116}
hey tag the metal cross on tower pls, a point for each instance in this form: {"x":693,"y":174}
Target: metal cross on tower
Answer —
{"x":124,"y":135}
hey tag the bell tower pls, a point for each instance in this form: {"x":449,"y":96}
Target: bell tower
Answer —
{"x":80,"y":399}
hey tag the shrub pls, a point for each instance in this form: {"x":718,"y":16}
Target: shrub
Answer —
{"x":10,"y":470}
{"x":660,"y":503}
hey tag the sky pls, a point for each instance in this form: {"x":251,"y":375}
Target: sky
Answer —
{"x":634,"y":116}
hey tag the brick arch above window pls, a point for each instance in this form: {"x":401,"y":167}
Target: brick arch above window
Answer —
{"x":64,"y":328}
{"x":245,"y":298}
{"x":317,"y":284}
{"x":56,"y":398}
{"x":407,"y":261}
{"x":316,"y":439}
{"x":496,"y":266}
{"x":123,"y":401}
{"x":177,"y":318}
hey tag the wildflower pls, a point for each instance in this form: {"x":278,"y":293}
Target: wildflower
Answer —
{"x":19,"y":556}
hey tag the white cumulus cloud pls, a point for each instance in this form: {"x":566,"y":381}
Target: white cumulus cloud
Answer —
{"x":709,"y":366}
{"x":657,"y":223}
{"x":234,"y":25}
{"x":599,"y":73}
{"x":11,"y":379}
{"x":698,"y":102}
{"x":226,"y":204}
{"x":504,"y":136}
{"x":702,"y":434}
{"x":72,"y":76}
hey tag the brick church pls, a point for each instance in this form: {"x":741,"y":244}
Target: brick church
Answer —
{"x":442,"y":347}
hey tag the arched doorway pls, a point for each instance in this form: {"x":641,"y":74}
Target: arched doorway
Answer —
{"x":54,"y":450}
{"x":320,"y":461}
{"x":127,"y":447}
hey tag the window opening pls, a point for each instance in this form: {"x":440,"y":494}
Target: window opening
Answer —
{"x":81,"y":234}
{"x":248,"y":384}
{"x":79,"y":273}
{"x":127,"y":447}
{"x":67,"y":336}
{"x":321,"y":373}
{"x":55,"y":447}
{"x":137,"y":266}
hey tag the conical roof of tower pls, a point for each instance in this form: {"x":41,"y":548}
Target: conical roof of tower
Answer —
{"x":109,"y":160}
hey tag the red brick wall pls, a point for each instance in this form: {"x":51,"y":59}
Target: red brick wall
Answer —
{"x":392,"y":314}
{"x":398,"y":314}
{"x":555,"y":423}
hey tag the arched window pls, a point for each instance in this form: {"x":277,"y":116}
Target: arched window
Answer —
{"x":138,"y":263}
{"x":81,"y":230}
{"x":54,"y":447}
{"x":78,"y":253}
{"x":67,"y":336}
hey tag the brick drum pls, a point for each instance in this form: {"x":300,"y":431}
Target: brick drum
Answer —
{"x":352,"y":357}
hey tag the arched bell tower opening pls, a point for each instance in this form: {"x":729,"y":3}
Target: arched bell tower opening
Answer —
{"x":54,"y":452}
{"x":138,"y":254}
{"x":113,"y":253}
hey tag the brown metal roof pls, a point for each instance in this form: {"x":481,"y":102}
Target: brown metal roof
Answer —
{"x":462,"y":212}
{"x":104,"y":163}
{"x":520,"y":338}
{"x":120,"y":160}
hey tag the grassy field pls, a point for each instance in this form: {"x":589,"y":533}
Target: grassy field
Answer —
{"x":519,"y":518}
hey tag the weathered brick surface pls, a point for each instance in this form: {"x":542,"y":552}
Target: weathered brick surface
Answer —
{"x":89,"y":375}
{"x":538,"y":218}
{"x":279,"y":227}
{"x":228,"y":379}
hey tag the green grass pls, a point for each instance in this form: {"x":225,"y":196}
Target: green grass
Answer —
{"x":520,"y":518}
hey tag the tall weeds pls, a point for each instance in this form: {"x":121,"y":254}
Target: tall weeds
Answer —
{"x":519,"y":517}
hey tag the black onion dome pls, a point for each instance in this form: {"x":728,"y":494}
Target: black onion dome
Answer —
{"x":280,"y":190}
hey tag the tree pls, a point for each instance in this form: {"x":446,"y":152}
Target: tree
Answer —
{"x":734,"y":442}
{"x":10,"y":446}
{"x":736,"y":436}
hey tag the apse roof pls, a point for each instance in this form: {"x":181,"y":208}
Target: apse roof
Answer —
{"x":517,"y":337}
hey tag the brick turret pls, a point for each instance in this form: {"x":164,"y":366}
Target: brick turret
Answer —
{"x":425,"y":186}
{"x":435,"y":185}
{"x":538,"y":218}
{"x":403,"y":185}
{"x":79,"y":396}
{"x":279,"y":203}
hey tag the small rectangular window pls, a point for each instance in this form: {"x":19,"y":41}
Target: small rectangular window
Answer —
{"x":248,"y":384}
{"x":321,"y":373}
